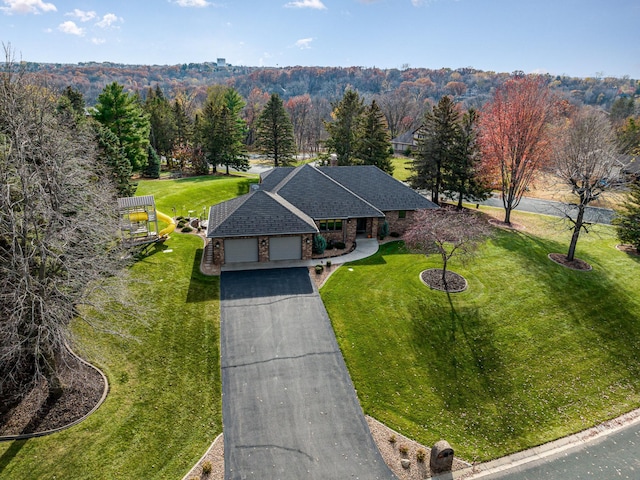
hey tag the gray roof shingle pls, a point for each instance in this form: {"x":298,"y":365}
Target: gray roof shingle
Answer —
{"x":321,"y":197}
{"x":378,"y":188}
{"x":257,"y":213}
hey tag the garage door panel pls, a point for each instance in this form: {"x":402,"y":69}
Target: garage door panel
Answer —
{"x":285,"y":248}
{"x":241,"y":250}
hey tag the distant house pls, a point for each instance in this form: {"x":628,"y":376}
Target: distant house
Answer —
{"x":630,"y":166}
{"x":278,"y":220}
{"x":408,"y":141}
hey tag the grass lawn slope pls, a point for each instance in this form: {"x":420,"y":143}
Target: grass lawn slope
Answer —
{"x":164,"y":407}
{"x":194,"y":193}
{"x":532,"y":351}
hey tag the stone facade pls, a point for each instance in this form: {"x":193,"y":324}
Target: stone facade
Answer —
{"x":218,"y":250}
{"x":217,"y":245}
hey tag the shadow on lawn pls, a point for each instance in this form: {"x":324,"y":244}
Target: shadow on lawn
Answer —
{"x":469,"y":373}
{"x":594,"y":302}
{"x":201,"y":287}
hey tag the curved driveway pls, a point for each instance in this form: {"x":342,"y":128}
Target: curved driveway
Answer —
{"x":289,"y":407}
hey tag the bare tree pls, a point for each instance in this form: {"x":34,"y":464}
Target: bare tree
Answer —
{"x":585,"y":160}
{"x":57,"y":240}
{"x":448,"y":233}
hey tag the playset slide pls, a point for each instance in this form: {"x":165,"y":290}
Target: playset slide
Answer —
{"x":166,"y":219}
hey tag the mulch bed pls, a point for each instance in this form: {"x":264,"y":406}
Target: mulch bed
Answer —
{"x":575,"y":264}
{"x":36,"y":412}
{"x":433,"y":279}
{"x":629,"y":250}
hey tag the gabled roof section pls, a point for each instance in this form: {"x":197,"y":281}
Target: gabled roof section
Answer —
{"x":321,"y":197}
{"x":271,"y":178}
{"x":378,"y":188}
{"x":257,"y":213}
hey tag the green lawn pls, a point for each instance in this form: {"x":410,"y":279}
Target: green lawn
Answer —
{"x":164,"y":407}
{"x":194,"y":193}
{"x":529,"y":353}
{"x":401,"y":168}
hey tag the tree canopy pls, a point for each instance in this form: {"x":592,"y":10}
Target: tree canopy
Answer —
{"x":55,"y":200}
{"x":343,"y":130}
{"x":515,"y":135}
{"x":121,"y":113}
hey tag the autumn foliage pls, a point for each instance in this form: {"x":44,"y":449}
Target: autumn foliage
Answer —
{"x":515,"y":136}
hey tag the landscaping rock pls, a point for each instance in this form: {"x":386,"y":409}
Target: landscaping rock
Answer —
{"x":406,"y":463}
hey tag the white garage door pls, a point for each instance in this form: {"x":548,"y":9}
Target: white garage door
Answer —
{"x":285,"y":248}
{"x":241,"y":250}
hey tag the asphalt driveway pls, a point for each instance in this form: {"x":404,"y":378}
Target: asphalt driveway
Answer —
{"x":289,"y":407}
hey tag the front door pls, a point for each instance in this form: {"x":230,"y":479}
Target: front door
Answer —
{"x":361,"y":227}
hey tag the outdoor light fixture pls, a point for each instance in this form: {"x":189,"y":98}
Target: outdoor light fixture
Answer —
{"x":217,"y":245}
{"x":263,"y":242}
{"x":308,"y":241}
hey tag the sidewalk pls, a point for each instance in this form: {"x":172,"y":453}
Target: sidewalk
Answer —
{"x":365,"y":247}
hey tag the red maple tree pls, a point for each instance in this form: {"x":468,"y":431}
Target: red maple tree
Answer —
{"x":515,"y":136}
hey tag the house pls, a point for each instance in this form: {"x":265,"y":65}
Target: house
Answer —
{"x":408,"y":141}
{"x":280,"y":217}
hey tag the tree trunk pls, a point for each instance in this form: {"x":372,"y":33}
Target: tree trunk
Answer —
{"x":576,"y":233}
{"x":444,"y":272}
{"x":507,"y":215}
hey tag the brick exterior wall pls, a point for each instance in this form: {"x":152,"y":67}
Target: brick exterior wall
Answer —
{"x":346,"y":235}
{"x":263,"y":249}
{"x":399,"y":225}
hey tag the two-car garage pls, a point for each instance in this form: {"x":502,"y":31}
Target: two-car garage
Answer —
{"x":242,"y":250}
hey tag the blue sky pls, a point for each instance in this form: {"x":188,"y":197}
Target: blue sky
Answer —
{"x":571,"y":37}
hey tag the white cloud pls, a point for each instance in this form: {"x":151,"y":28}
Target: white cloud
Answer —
{"x":98,"y":41}
{"x":82,"y":15}
{"x":108,"y":20}
{"x":304,"y":43}
{"x":193,"y":3}
{"x":316,"y":4}
{"x":27,"y":6}
{"x":71,"y":28}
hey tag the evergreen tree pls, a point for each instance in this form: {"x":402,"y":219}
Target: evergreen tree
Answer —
{"x":152,"y":169}
{"x":121,"y":113}
{"x":275,"y":132}
{"x":343,"y":131}
{"x":462,"y":177}
{"x":161,"y":121}
{"x":627,"y":221}
{"x":437,"y":147}
{"x":373,"y":145}
{"x":221,"y":130}
{"x":112,"y":155}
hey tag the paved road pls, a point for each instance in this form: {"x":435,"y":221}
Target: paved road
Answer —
{"x":289,"y":407}
{"x":549,"y":207}
{"x":611,"y":457}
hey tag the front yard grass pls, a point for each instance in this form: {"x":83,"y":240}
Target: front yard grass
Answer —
{"x":164,"y":406}
{"x":529,"y":353}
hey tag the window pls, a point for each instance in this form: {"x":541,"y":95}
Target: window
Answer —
{"x":330,"y":225}
{"x":402,"y":214}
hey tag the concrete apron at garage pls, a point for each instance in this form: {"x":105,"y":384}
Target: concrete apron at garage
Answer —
{"x":289,"y":407}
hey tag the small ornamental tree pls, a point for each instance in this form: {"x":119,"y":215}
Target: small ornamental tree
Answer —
{"x":449,"y":233}
{"x":319,"y":244}
{"x":627,"y":221}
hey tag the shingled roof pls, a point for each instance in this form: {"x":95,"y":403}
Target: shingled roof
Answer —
{"x":257,"y":213}
{"x":378,"y":188}
{"x":319,"y":196}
